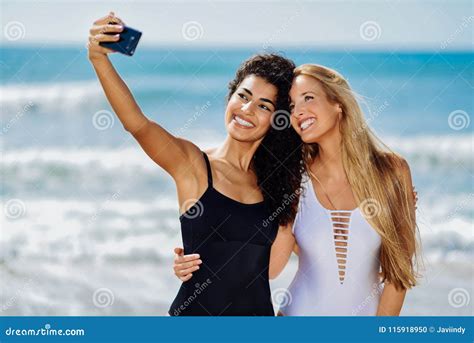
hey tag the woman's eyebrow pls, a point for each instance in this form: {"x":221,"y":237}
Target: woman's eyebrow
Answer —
{"x":263,"y":99}
{"x":245,"y":89}
{"x":268,"y":100}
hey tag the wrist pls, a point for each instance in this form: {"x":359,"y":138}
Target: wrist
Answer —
{"x":99,"y":59}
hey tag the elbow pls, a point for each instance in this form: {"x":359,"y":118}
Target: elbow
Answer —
{"x":136,"y":129}
{"x":128,"y":129}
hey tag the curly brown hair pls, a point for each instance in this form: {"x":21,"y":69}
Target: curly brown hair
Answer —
{"x":278,"y":161}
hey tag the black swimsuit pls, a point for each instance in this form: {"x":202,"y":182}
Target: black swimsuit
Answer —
{"x":234,"y":242}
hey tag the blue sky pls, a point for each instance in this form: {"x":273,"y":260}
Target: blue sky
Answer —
{"x":398,"y":24}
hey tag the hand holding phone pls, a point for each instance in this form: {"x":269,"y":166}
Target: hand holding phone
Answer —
{"x":127,"y":42}
{"x":110,"y":34}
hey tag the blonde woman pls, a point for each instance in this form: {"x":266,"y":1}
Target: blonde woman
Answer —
{"x":355,"y":230}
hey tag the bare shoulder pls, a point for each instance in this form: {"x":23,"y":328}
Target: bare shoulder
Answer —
{"x":195,"y":166}
{"x":217,"y":164}
{"x":210,"y":151}
{"x":191,"y":180}
{"x":191,"y":149}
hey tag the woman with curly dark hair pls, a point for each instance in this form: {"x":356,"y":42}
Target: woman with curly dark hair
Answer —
{"x":355,"y":231}
{"x":232,"y":198}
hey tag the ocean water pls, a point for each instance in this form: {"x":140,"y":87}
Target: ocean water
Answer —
{"x":89,"y":222}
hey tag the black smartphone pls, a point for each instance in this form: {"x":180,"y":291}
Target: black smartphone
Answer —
{"x":127,"y":42}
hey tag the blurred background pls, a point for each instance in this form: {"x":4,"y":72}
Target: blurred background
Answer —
{"x":89,"y":222}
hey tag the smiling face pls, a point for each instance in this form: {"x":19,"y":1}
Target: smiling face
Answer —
{"x":313,"y":116}
{"x":249,"y":110}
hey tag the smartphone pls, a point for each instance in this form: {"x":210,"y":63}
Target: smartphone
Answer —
{"x":127,"y":42}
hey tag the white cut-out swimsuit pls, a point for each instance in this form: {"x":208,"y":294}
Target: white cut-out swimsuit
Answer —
{"x":333,"y":279}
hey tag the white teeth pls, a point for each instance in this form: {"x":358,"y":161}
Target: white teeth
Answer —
{"x":243,"y":122}
{"x":307,"y":123}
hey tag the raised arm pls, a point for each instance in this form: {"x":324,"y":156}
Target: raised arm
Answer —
{"x":168,"y":151}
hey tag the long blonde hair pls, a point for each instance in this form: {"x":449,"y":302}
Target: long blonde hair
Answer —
{"x":373,"y":171}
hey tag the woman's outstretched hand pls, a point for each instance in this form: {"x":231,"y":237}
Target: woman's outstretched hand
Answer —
{"x":97,"y":34}
{"x":185,"y":265}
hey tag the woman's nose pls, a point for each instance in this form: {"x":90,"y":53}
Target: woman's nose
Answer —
{"x":247,"y":108}
{"x":297,"y":111}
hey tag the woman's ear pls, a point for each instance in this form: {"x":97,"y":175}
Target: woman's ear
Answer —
{"x":339,"y":109}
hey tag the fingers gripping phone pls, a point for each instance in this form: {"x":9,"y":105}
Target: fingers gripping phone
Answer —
{"x":127,"y":42}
